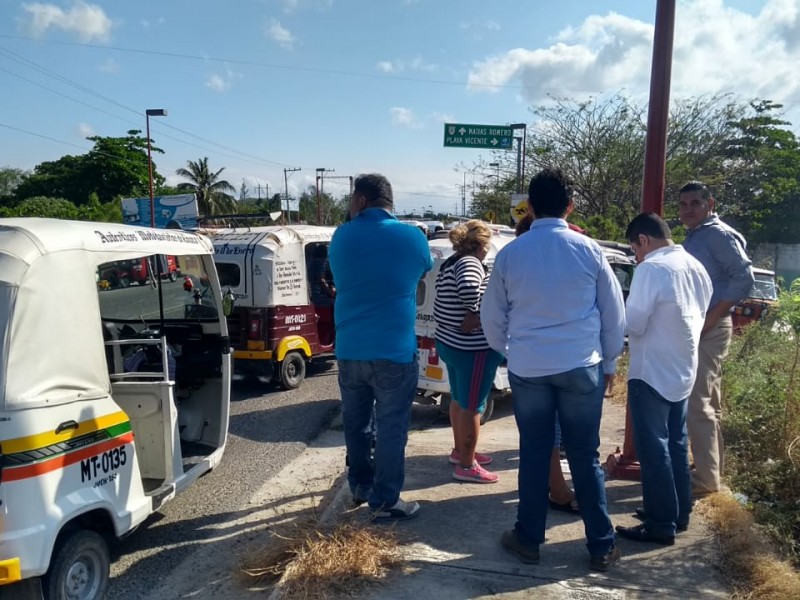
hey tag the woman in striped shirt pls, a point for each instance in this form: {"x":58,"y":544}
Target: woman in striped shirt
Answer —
{"x":471,"y":363}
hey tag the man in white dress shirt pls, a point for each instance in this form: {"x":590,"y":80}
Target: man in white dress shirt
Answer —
{"x":665,"y":313}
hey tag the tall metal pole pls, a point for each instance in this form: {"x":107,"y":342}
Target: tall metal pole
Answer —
{"x":286,"y":183}
{"x":319,"y":206}
{"x":151,"y":112}
{"x":524,"y":150}
{"x":464,"y":196}
{"x":519,"y":164}
{"x":150,"y":174}
{"x":624,"y":465}
{"x":658,"y":112}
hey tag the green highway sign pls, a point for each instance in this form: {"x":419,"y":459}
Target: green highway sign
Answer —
{"x":493,"y":137}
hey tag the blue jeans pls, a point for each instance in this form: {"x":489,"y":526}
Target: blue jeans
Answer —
{"x":659,"y":432}
{"x":577,"y":395}
{"x":388,"y":388}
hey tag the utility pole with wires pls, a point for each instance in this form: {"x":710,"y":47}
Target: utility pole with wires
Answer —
{"x":286,"y":183}
{"x":350,"y":177}
{"x":320,"y":190}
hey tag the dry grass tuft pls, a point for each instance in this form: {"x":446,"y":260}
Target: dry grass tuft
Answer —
{"x":619,"y":394}
{"x":747,"y":559}
{"x":315,"y":563}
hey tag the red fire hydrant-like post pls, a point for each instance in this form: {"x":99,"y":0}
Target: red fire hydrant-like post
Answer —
{"x":624,"y":465}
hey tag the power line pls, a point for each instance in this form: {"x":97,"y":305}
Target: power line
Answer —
{"x":52,"y":139}
{"x":49,"y":73}
{"x":253,"y":63}
{"x":124,"y":120}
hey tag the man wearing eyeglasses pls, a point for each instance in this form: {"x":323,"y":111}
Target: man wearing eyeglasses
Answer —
{"x":723,"y":252}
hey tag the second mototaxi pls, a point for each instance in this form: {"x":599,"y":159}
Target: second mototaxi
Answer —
{"x":274,"y":326}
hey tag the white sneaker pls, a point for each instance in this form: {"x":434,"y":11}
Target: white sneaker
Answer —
{"x":399,"y":511}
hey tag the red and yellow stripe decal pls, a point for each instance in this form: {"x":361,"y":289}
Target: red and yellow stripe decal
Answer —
{"x":65,"y":448}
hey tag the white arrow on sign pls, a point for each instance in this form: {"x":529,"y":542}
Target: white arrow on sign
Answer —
{"x":462,"y":131}
{"x":494,"y":142}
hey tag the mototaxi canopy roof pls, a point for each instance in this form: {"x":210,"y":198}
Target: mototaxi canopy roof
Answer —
{"x":51,"y":335}
{"x":271,"y":262}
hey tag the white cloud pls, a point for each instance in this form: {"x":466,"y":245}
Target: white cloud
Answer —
{"x":85,"y":130}
{"x":109,"y":65}
{"x":222,"y":82}
{"x":87,"y":21}
{"x":443,"y":117}
{"x":716,"y":49}
{"x":279,"y":34}
{"x":146,"y":24}
{"x":399,"y":66}
{"x":218,"y":83}
{"x":290,"y":6}
{"x":403,"y":117}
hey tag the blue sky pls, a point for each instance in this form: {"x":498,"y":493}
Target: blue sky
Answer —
{"x":354,"y":85}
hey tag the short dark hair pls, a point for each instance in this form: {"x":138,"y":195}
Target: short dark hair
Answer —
{"x":696,"y":186}
{"x":549,"y":193}
{"x":524,"y":225}
{"x":376,"y":189}
{"x":649,"y":224}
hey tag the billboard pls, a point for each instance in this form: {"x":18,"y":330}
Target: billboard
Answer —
{"x":181,"y":208}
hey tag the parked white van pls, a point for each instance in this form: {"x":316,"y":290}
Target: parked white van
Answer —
{"x":112,"y":401}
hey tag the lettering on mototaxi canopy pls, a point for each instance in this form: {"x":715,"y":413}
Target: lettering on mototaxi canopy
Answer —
{"x":295,"y":319}
{"x":228,"y":250}
{"x":288,"y":278}
{"x":102,"y":464}
{"x":110,"y":237}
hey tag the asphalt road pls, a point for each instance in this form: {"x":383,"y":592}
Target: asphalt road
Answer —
{"x":268,"y":429}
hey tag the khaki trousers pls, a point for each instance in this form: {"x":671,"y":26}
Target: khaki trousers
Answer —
{"x":704,"y":413}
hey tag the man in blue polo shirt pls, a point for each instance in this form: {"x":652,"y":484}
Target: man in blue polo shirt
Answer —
{"x":377,"y":262}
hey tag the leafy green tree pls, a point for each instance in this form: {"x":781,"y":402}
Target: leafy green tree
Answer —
{"x":760,"y":193}
{"x":40,"y":206}
{"x":117,"y":167}
{"x":740,"y":149}
{"x":493,"y":197}
{"x":332,"y":211}
{"x":214,"y":195}
{"x":59,"y":208}
{"x":10,"y":178}
{"x":114,"y":168}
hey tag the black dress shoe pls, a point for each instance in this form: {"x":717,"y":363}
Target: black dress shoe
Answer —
{"x":640,"y":534}
{"x":642,"y":516}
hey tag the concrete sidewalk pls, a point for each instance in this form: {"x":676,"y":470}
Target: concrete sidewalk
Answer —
{"x":453,"y":548}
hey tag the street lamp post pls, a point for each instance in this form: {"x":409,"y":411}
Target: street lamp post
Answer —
{"x":496,"y":165}
{"x":152,"y":112}
{"x":521,"y":147}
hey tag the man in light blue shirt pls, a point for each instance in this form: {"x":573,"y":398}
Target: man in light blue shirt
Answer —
{"x":555,"y":307}
{"x":377,"y":262}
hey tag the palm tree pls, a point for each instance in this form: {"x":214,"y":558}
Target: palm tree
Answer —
{"x":214,"y":195}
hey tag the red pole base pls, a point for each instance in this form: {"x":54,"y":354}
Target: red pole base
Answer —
{"x":618,"y":466}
